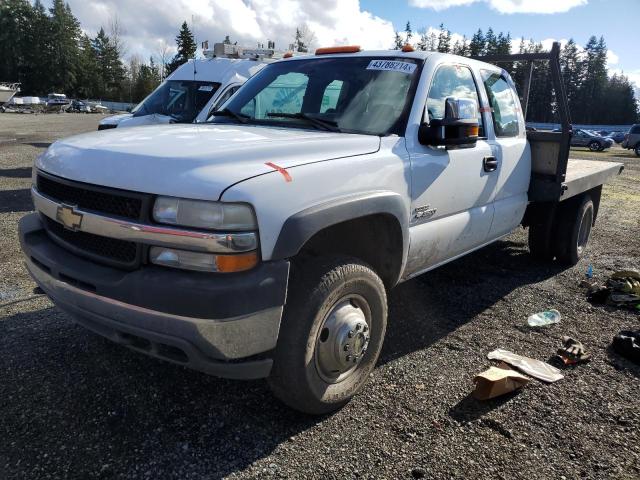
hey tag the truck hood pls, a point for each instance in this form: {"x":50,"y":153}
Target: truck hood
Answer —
{"x":193,"y":161}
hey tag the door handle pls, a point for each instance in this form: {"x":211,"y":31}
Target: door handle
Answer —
{"x":490,"y":164}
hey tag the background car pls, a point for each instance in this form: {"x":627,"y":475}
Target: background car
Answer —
{"x":632,"y":139}
{"x":591,"y":140}
{"x":617,"y":137}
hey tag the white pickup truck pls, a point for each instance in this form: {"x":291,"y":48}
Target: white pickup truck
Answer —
{"x":263,"y":243}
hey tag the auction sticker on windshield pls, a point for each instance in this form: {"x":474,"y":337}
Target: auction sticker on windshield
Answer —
{"x":392,"y":66}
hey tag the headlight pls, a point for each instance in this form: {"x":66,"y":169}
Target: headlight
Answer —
{"x":203,"y":214}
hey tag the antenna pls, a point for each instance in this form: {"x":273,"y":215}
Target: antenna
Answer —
{"x":193,"y":25}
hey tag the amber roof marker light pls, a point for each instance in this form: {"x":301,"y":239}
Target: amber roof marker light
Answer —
{"x":408,"y":48}
{"x":342,"y":49}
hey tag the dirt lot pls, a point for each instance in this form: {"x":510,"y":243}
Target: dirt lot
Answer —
{"x":72,"y":405}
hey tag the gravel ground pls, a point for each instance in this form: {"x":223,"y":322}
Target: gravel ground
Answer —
{"x":73,"y":405}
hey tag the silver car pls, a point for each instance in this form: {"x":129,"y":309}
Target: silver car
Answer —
{"x":632,"y":139}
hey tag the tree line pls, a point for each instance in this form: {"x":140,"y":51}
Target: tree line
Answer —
{"x":594,"y":97}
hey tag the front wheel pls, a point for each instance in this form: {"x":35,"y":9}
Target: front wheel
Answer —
{"x":594,"y":146}
{"x":331,"y":334}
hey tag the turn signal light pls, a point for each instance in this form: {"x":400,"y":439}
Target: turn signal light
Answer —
{"x":287,"y":55}
{"x":343,"y":49}
{"x":237,"y":263}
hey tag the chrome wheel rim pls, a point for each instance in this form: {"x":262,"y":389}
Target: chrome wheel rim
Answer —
{"x":584,"y":230}
{"x":343,"y":339}
{"x":594,"y":146}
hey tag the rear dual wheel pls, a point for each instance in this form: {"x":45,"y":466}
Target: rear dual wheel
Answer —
{"x":567,"y":236}
{"x":331,"y":334}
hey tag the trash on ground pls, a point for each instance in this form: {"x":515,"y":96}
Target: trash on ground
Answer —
{"x":589,"y":273}
{"x":621,"y":290}
{"x":572,"y":352}
{"x":540,"y":319}
{"x":497,"y":381}
{"x":627,"y":344}
{"x":540,"y":370}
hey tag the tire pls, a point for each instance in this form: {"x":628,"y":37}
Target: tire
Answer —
{"x":309,"y":340}
{"x":594,"y":146}
{"x":637,"y":149}
{"x":573,"y":229}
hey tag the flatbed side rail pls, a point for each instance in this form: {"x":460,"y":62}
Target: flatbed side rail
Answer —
{"x":553,"y":57}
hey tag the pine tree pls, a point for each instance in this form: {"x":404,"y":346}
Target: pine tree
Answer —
{"x":572,"y":75}
{"x":15,"y":16}
{"x":186,"y":48}
{"x":408,"y":34}
{"x":397,"y":42}
{"x":89,"y":71}
{"x":444,"y":40}
{"x":37,"y":59}
{"x":424,"y":41}
{"x":111,"y":72}
{"x":65,"y":51}
{"x":476,"y":46}
{"x":491,"y":40}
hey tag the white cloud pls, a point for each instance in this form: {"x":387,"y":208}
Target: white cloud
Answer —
{"x":506,"y":6}
{"x":612,"y":58}
{"x":147,"y":23}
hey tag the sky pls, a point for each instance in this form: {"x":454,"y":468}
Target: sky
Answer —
{"x":149,"y":25}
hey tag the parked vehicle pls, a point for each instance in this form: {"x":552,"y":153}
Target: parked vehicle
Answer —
{"x":632,"y":139}
{"x":7,"y":91}
{"x":617,"y":137}
{"x":263,"y":243}
{"x":587,"y":138}
{"x":197,"y":86}
{"x":79,"y":107}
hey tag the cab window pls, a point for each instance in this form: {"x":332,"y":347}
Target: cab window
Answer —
{"x":452,"y":81}
{"x":503,"y":103}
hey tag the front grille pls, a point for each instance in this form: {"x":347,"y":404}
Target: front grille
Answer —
{"x":110,"y":249}
{"x":98,"y":199}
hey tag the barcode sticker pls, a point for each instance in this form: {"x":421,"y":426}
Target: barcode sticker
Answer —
{"x":392,"y":66}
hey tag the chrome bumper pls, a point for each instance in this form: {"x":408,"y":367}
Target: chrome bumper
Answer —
{"x":148,"y":234}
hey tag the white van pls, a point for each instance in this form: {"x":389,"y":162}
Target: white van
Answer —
{"x":196,"y":86}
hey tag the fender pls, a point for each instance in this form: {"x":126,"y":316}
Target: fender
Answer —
{"x":301,"y":226}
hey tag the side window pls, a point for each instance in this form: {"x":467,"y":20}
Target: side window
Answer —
{"x":331,"y":96}
{"x":503,"y":105}
{"x":452,"y":81}
{"x":283,"y":95}
{"x":225,"y":96}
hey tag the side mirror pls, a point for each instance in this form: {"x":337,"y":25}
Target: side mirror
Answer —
{"x":459,"y":127}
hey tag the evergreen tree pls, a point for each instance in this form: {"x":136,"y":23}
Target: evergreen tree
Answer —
{"x":423,"y":42}
{"x":65,"y":40}
{"x":476,"y":46}
{"x":37,"y":58}
{"x":89,"y":72}
{"x":111,"y":72}
{"x":397,"y":42}
{"x":186,"y":47}
{"x":491,"y":43}
{"x":408,"y":34}
{"x":572,"y":75}
{"x":444,"y":40}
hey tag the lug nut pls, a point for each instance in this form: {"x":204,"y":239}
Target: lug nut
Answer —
{"x":358,"y":326}
{"x":348,"y":358}
{"x":365,"y":329}
{"x":350,"y":334}
{"x":346,"y":347}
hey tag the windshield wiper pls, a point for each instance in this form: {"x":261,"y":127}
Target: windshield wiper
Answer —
{"x":240,"y":117}
{"x":329,"y":125}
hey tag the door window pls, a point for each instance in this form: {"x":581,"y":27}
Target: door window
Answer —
{"x":452,"y":81}
{"x":503,"y":105}
{"x":283,"y":95}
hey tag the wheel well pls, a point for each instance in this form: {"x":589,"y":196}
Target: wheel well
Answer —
{"x":374,"y":239}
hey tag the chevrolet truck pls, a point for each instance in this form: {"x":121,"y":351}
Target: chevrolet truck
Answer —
{"x":262,"y":244}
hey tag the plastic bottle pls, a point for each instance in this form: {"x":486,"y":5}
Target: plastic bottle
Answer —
{"x":540,"y":319}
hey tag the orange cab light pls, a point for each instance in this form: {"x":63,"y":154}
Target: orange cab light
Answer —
{"x":287,"y":55}
{"x":408,"y":48}
{"x":343,"y":49}
{"x":236,"y":263}
{"x":473,"y":131}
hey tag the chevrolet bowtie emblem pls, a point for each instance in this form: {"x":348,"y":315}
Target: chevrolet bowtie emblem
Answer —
{"x":68,"y":217}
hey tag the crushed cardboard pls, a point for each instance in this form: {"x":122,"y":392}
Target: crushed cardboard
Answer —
{"x":497,"y":381}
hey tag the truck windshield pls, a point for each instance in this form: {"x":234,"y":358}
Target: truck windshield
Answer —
{"x":181,"y":100}
{"x":368,"y":95}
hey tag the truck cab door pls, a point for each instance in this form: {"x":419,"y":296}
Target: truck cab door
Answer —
{"x":452,"y":190}
{"x":507,"y":138}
